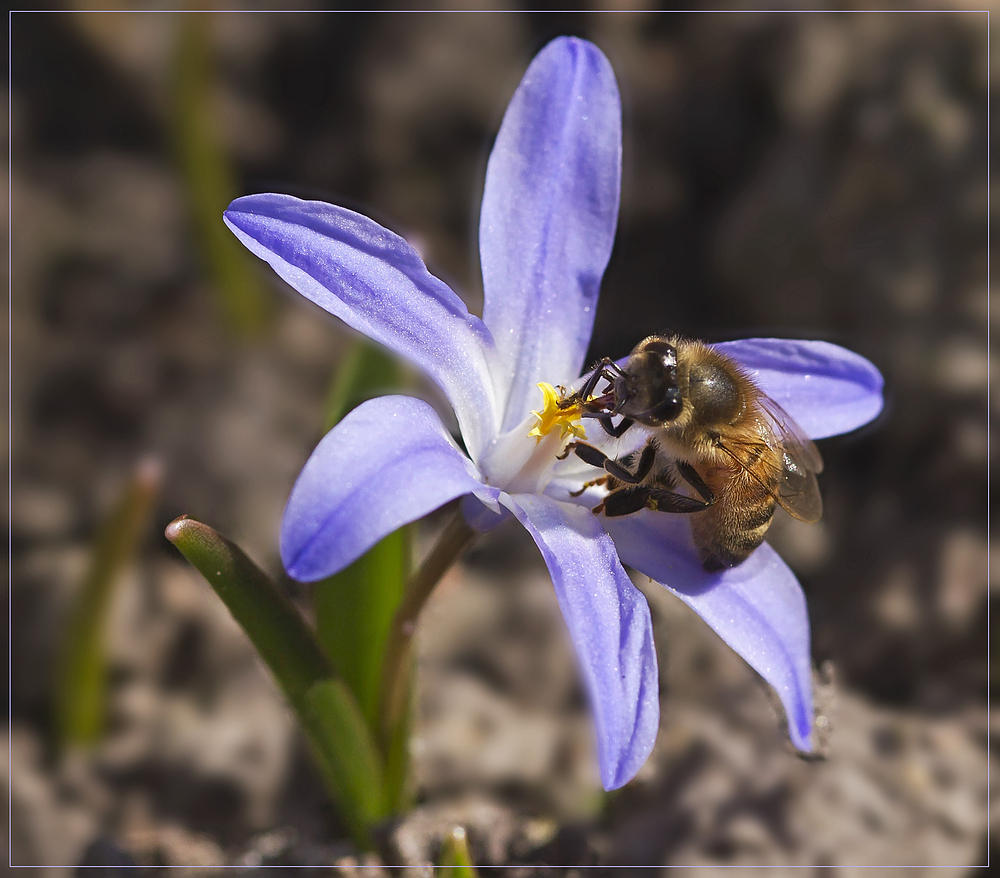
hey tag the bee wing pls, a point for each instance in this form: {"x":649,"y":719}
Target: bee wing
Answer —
{"x":798,"y":492}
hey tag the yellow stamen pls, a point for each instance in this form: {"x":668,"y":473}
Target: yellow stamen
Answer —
{"x":554,"y":414}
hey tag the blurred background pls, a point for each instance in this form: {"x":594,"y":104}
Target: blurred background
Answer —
{"x":818,"y":175}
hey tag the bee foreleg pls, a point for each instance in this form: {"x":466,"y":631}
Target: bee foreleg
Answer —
{"x":612,"y":430}
{"x":690,"y":475}
{"x":606,"y":369}
{"x":605,"y":419}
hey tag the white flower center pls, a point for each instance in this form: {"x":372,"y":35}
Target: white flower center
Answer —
{"x":521,"y":461}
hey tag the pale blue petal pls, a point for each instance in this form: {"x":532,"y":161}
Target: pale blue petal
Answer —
{"x":827,"y":389}
{"x":758,"y":608}
{"x":548,"y":218}
{"x":481,"y":517}
{"x":609,"y":623}
{"x":375,"y":282}
{"x":389,"y":462}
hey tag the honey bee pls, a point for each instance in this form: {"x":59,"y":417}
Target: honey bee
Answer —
{"x":711,"y":428}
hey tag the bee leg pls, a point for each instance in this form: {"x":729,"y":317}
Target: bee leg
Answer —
{"x":603,"y":480}
{"x":605,"y":420}
{"x":623,"y":502}
{"x":606,"y":369}
{"x":690,"y":475}
{"x":596,"y":457}
{"x":662,"y":500}
{"x":630,"y":500}
{"x":586,"y":453}
{"x":611,"y":429}
{"x":642,"y":468}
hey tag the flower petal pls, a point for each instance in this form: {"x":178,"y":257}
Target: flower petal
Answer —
{"x":827,"y":389}
{"x":609,"y":622}
{"x":375,"y":282}
{"x":758,"y":608}
{"x":548,"y":218}
{"x":389,"y":462}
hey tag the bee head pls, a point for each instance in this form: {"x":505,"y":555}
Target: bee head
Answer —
{"x":647,"y":391}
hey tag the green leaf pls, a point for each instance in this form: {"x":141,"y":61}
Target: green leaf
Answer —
{"x":80,"y":673}
{"x":355,"y":607}
{"x":327,"y":710}
{"x":455,"y":861}
{"x":354,"y":610}
{"x":210,"y":180}
{"x":334,"y":717}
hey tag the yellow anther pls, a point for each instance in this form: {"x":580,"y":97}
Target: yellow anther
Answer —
{"x":555,"y":414}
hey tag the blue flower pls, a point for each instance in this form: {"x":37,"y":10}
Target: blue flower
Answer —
{"x":549,"y":213}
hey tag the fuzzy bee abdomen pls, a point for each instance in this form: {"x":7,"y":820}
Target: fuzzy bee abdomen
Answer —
{"x":735,"y":524}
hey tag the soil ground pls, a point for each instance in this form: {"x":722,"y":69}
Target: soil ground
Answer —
{"x":801,"y":175}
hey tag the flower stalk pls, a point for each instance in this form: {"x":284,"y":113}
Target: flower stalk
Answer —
{"x":396,"y":668}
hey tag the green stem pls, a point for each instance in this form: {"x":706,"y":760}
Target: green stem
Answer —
{"x":399,"y":646}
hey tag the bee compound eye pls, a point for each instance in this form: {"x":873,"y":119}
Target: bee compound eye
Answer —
{"x":667,"y":408}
